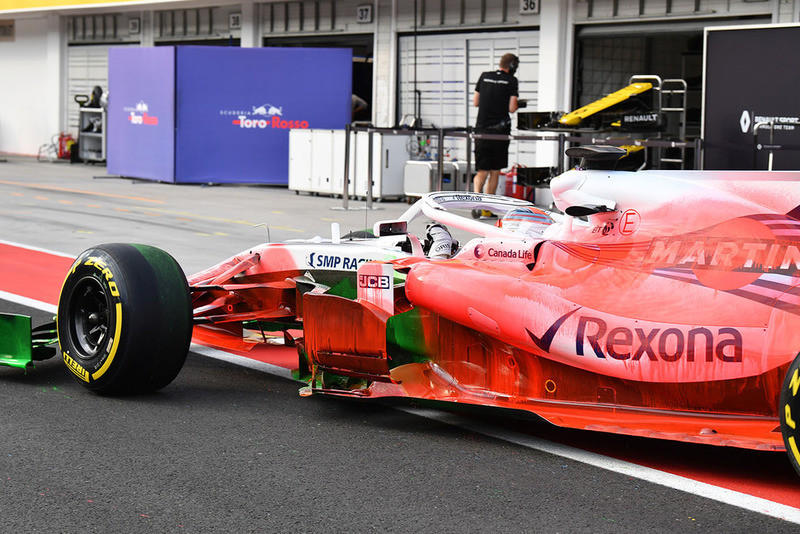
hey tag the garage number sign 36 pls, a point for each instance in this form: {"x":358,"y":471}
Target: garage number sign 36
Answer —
{"x":529,"y":7}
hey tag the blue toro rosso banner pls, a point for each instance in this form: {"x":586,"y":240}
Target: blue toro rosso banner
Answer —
{"x":234,"y":108}
{"x":141,"y":113}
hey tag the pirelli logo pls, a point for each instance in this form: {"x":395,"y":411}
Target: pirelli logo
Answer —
{"x":73,"y":366}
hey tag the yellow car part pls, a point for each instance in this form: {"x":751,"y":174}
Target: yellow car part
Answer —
{"x":574,"y":118}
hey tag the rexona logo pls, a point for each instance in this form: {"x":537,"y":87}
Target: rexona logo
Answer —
{"x":698,"y":344}
{"x":263,"y":117}
{"x":140,"y":114}
{"x":656,"y":344}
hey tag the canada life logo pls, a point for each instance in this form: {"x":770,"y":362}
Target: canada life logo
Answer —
{"x":140,"y":115}
{"x":263,"y":117}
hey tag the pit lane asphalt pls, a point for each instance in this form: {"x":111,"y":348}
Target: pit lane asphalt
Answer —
{"x":228,"y":449}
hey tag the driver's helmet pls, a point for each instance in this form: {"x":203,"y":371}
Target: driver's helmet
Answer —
{"x":528,"y":220}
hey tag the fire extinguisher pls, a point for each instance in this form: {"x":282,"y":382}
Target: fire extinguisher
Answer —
{"x":65,"y":142}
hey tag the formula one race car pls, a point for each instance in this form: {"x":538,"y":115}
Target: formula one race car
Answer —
{"x":660,"y":303}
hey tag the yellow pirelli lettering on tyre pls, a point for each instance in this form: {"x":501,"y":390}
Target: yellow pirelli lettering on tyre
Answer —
{"x":94,"y":261}
{"x":100,"y":265}
{"x":795,"y":382}
{"x":73,"y":366}
{"x":112,"y":347}
{"x":793,"y":386}
{"x":793,"y":447}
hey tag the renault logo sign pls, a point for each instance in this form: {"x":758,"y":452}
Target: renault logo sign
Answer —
{"x":744,"y":121}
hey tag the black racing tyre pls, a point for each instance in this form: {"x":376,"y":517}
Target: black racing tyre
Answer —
{"x":124,"y":319}
{"x":789,"y":409}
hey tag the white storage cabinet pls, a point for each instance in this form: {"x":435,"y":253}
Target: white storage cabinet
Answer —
{"x":316,"y":163}
{"x":92,"y":135}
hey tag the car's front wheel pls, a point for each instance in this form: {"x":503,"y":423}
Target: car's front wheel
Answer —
{"x":789,"y":408}
{"x":124,"y":319}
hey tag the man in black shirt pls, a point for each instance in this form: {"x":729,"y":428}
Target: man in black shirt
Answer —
{"x":496,"y":95}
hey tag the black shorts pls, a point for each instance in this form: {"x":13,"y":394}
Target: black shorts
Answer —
{"x":491,"y":155}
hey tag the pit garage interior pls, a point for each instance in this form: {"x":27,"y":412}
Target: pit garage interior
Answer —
{"x":414,"y":61}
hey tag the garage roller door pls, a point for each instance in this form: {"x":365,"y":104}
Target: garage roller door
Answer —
{"x":438,"y":74}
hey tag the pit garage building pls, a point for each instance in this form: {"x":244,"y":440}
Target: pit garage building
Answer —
{"x":416,"y":58}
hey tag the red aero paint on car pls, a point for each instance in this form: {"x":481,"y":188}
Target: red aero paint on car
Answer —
{"x":660,"y":303}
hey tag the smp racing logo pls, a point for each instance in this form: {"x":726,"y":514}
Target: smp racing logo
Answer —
{"x":263,"y":117}
{"x":316,"y":260}
{"x":140,"y":114}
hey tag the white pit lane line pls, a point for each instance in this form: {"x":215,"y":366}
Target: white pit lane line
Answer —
{"x":242,"y":361}
{"x":694,"y":487}
{"x":734,"y":498}
{"x":30,"y":303}
{"x":37,"y":249}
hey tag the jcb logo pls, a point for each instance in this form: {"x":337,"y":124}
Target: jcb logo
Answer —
{"x":374,"y":281}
